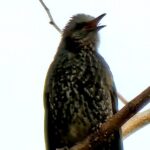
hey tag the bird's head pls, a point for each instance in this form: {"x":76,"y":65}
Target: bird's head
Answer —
{"x":83,"y":30}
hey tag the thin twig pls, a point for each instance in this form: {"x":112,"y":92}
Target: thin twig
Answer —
{"x":124,"y":101}
{"x":135,"y":123}
{"x":115,"y":122}
{"x":52,"y":22}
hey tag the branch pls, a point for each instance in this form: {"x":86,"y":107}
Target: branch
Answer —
{"x":135,"y":123}
{"x":52,"y":22}
{"x":124,"y":101}
{"x":115,"y":122}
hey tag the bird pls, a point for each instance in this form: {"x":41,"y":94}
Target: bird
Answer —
{"x":79,"y":90}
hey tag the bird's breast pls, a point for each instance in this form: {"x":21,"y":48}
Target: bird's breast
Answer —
{"x":79,"y":97}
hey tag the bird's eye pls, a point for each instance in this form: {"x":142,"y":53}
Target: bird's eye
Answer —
{"x":79,"y":26}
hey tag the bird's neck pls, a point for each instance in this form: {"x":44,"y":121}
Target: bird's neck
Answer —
{"x":77,"y":46}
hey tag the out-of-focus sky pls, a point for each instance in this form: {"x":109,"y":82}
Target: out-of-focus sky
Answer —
{"x":28,"y":44}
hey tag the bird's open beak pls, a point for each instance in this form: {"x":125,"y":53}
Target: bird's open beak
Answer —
{"x":93,"y":24}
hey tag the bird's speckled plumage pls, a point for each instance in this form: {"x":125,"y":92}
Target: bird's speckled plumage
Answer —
{"x":79,"y":89}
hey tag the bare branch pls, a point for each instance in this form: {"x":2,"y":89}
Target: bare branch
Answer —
{"x":135,"y":123}
{"x":115,"y":122}
{"x":123,"y":100}
{"x":52,"y":22}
